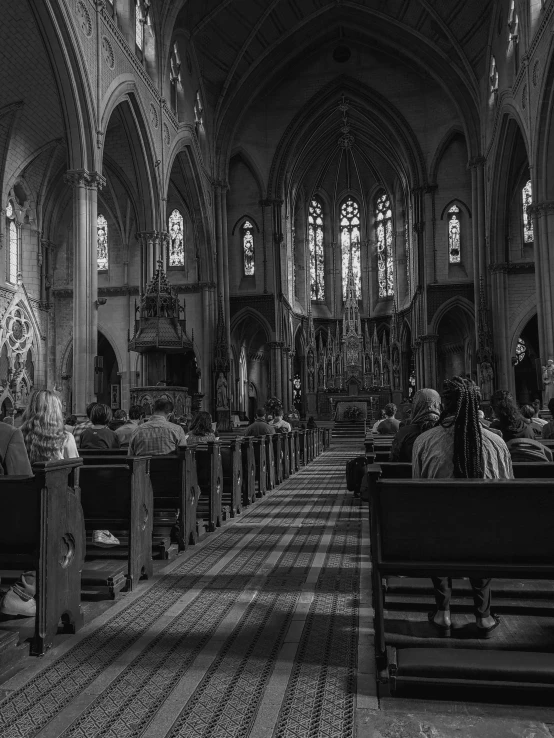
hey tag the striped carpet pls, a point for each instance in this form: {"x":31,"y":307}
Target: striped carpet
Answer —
{"x":251,"y":633}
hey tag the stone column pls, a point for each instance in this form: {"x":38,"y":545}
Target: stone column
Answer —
{"x":429,"y":351}
{"x":543,"y":230}
{"x":276,"y":369}
{"x":85,"y":284}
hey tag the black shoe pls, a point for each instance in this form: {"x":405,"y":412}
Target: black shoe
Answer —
{"x":444,"y":630}
{"x":486,"y":632}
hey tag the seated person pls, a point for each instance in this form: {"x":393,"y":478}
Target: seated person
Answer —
{"x":99,"y":435}
{"x":390,"y":424}
{"x":119,"y":419}
{"x":509,"y":420}
{"x":547,"y":430}
{"x":528,"y":413}
{"x":279,"y":424}
{"x":259,"y":427}
{"x":536,"y":405}
{"x":528,"y":449}
{"x":459,"y":447}
{"x":378,"y":421}
{"x":70,"y":423}
{"x":311,"y":423}
{"x":80,"y":427}
{"x":200,"y":430}
{"x":158,"y":436}
{"x":425,"y":415}
{"x":125,"y":431}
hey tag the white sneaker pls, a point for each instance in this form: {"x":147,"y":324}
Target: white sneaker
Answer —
{"x":14,"y":604}
{"x":104,"y":539}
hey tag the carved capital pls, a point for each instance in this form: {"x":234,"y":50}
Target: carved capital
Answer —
{"x":476,"y":161}
{"x":84,"y":178}
{"x":429,"y":338}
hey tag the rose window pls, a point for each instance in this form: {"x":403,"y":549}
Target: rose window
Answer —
{"x":19,"y":331}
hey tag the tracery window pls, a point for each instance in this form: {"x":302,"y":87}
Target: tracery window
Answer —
{"x":13,"y":244}
{"x":454,"y":235}
{"x":176,"y":240}
{"x":408,"y":255}
{"x":527,"y":201}
{"x":101,"y":243}
{"x":247,"y":231}
{"x":513,"y":32}
{"x":315,"y":243}
{"x":521,"y":350}
{"x":383,"y":226}
{"x":174,"y":75}
{"x":198,"y":111}
{"x":297,"y":392}
{"x":350,"y":243}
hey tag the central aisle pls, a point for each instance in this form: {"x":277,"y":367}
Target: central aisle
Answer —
{"x":252,"y":633}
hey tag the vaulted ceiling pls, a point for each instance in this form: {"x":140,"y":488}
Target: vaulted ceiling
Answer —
{"x":245,"y":42}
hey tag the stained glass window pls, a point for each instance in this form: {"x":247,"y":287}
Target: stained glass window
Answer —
{"x":176,"y":240}
{"x":198,"y":110}
{"x":408,"y":255}
{"x":383,"y":219}
{"x":493,"y":76}
{"x":297,"y":392}
{"x":411,"y":384}
{"x":315,"y":242}
{"x":454,"y":235}
{"x":139,"y":26}
{"x":527,"y":201}
{"x":521,"y":350}
{"x":513,"y":24}
{"x":248,"y":248}
{"x":13,"y":250}
{"x":350,"y":243}
{"x":101,"y":243}
{"x":174,"y":75}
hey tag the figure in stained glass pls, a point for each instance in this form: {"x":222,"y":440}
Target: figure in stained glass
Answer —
{"x":454,"y":235}
{"x":317,"y":258}
{"x":383,"y":220}
{"x":527,"y":201}
{"x":101,"y":243}
{"x":248,"y":248}
{"x":350,"y":243}
{"x":176,"y":244}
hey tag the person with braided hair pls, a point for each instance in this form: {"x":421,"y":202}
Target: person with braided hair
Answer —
{"x":459,"y":447}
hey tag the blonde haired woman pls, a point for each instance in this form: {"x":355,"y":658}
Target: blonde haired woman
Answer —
{"x":47,"y":440}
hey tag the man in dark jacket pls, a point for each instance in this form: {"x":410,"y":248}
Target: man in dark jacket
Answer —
{"x":259,"y":427}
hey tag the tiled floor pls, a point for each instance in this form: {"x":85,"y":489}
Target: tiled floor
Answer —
{"x":264,"y":629}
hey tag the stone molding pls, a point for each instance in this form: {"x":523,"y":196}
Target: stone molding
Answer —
{"x":509,"y":267}
{"x":84,"y":178}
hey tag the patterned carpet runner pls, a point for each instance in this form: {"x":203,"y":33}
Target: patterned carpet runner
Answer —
{"x":253,"y":633}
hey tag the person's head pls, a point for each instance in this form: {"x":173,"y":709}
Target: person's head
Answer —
{"x":426,"y":408}
{"x":505,"y":409}
{"x":89,"y":409}
{"x":461,"y":398}
{"x":481,"y":415}
{"x":71,"y":420}
{"x":278,"y":415}
{"x":43,"y":426}
{"x":120,"y":415}
{"x":135,"y":412}
{"x":101,"y":414}
{"x":260,"y":414}
{"x":551,"y":406}
{"x":163,"y":406}
{"x":527,"y":411}
{"x":311,"y":422}
{"x":390,"y":410}
{"x":202,"y":424}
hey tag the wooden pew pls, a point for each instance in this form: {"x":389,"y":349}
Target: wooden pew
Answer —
{"x":210,"y":479}
{"x":248,"y":471}
{"x":293,"y":451}
{"x":118,"y":498}
{"x":277,"y":442}
{"x":42,"y":530}
{"x":261,"y":466}
{"x":420,"y":528}
{"x":270,"y":463}
{"x":285,"y":450}
{"x":231,"y":462}
{"x":302,"y":447}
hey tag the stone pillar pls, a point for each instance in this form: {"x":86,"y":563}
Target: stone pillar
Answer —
{"x":429,"y":351}
{"x":226,"y":298}
{"x":276,"y":369}
{"x":543,"y":229}
{"x":85,"y":284}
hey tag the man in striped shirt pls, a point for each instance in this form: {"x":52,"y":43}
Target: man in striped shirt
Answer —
{"x":80,"y":428}
{"x":157,"y":436}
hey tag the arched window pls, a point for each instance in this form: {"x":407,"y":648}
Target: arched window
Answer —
{"x":513,"y":32}
{"x":101,"y":243}
{"x":350,"y":242}
{"x":408,"y":256}
{"x":247,"y":233}
{"x":315,"y":242}
{"x":176,"y":256}
{"x":13,"y":244}
{"x":527,"y":201}
{"x":454,"y":235}
{"x":383,"y":227}
{"x":174,"y":75}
